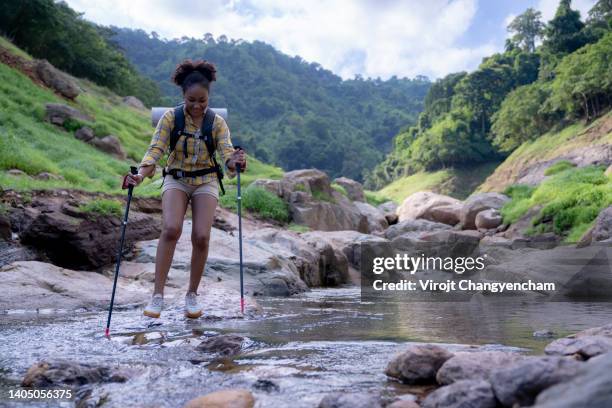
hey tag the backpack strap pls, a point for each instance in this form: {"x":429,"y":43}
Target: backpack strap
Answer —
{"x":207,"y":130}
{"x":179,"y":127}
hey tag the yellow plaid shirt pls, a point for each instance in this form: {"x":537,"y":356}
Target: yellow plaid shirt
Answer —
{"x":197,"y":157}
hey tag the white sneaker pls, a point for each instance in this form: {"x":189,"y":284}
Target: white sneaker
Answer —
{"x":192,"y":309}
{"x":154,"y":307}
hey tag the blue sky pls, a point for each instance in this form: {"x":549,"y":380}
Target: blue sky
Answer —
{"x":372,"y":38}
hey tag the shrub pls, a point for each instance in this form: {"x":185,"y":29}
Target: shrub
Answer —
{"x":558,"y":167}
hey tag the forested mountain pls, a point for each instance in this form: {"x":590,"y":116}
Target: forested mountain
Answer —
{"x":512,"y":97}
{"x":282,"y":109}
{"x":53,"y":31}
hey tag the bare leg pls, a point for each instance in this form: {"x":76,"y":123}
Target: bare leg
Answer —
{"x":203,"y":214}
{"x":174,"y":205}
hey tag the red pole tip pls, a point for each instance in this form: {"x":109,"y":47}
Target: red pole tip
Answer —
{"x":107,"y":332}
{"x":242,"y":305}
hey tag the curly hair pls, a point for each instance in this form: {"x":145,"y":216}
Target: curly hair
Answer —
{"x":189,"y":73}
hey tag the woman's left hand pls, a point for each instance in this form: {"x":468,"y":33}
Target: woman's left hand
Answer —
{"x":238,"y":157}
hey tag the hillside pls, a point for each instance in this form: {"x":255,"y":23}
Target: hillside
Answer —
{"x":50,"y":157}
{"x":284,"y":110}
{"x":579,"y":144}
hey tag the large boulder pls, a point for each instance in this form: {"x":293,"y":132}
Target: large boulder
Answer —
{"x":477,"y":203}
{"x":488,"y":219}
{"x":421,"y":204}
{"x":414,"y":227}
{"x":418,"y":364}
{"x":75,"y":239}
{"x":236,"y":398}
{"x":273,"y":186}
{"x":58,"y":113}
{"x":56,"y":79}
{"x":601,"y":231}
{"x":590,"y":387}
{"x":312,"y":202}
{"x":520,"y":383}
{"x":376,"y":219}
{"x":109,"y":144}
{"x":474,"y":366}
{"x":462,"y":394}
{"x":583,"y":347}
{"x":389,"y":210}
{"x":134,"y":102}
{"x":353,"y":188}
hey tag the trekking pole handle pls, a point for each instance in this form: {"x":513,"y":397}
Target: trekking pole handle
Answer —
{"x":134,"y":170}
{"x":237,"y":164}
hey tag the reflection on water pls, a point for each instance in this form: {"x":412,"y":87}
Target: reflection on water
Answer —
{"x":302,"y":348}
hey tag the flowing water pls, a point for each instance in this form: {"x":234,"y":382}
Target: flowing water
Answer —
{"x":301,"y":349}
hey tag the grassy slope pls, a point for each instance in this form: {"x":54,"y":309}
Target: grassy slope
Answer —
{"x":458,"y":183}
{"x":547,"y":147}
{"x":32,"y":145}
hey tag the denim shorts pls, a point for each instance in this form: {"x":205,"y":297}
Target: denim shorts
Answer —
{"x":170,"y":183}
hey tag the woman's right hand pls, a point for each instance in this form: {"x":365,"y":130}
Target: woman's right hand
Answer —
{"x":134,"y":179}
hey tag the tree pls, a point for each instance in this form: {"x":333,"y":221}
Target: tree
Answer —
{"x":563,"y":34}
{"x":526,"y":28}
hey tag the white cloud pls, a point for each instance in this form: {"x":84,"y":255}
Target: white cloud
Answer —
{"x":549,"y":7}
{"x":371,"y":38}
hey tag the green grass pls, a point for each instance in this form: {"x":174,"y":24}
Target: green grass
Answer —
{"x":258,"y":201}
{"x":402,"y":188}
{"x":321,"y":195}
{"x":32,"y":145}
{"x":298,"y":227}
{"x":571,"y":200}
{"x":558,"y":167}
{"x":339,"y":189}
{"x":5,"y":43}
{"x":547,"y":147}
{"x":374,"y":198}
{"x":103,"y":207}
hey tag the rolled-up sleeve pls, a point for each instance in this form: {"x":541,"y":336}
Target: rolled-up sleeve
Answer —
{"x":159,"y":141}
{"x":223,"y":141}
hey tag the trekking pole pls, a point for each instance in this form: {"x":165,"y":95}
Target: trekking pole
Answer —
{"x":130,"y":188}
{"x":239,"y":199}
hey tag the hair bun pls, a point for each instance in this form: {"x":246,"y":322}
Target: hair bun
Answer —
{"x":188,"y":66}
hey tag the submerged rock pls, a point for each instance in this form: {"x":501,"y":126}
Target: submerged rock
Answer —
{"x":62,"y":372}
{"x":224,"y":344}
{"x":355,"y":400}
{"x":236,"y":398}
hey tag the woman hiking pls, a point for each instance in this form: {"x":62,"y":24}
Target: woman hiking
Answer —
{"x":190,"y":176}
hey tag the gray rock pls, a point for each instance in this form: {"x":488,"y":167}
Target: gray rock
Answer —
{"x":418,"y":364}
{"x":605,"y":330}
{"x":376,"y":219}
{"x":477,"y":203}
{"x":56,"y":79}
{"x":353,"y":188}
{"x":17,"y":173}
{"x":601,"y":231}
{"x":521,"y":382}
{"x":584,"y":346}
{"x":224,"y":344}
{"x":417,"y":226}
{"x":591,"y":387}
{"x":85,"y":134}
{"x":354,"y":400}
{"x":58,"y":113}
{"x":462,"y":394}
{"x":273,"y":186}
{"x":488,"y":219}
{"x":110,"y":144}
{"x":543,"y":334}
{"x":446,"y":214}
{"x":388,"y":207}
{"x":474,"y":366}
{"x":48,"y":176}
{"x":452,"y":243}
{"x":403,"y":404}
{"x":134,"y":102}
{"x":62,"y":372}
